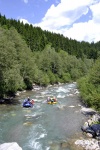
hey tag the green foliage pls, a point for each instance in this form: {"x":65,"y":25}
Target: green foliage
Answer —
{"x":28,"y":83}
{"x":75,"y":74}
{"x":44,"y":79}
{"x":16,"y":62}
{"x":94,"y":76}
{"x":90,"y":87}
{"x":51,"y":77}
{"x":41,"y":78}
{"x":66,"y":77}
{"x":9,"y":70}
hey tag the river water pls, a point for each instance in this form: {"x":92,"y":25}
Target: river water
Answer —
{"x":45,"y":126}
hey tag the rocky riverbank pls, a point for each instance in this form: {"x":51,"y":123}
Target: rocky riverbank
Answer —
{"x":90,"y":142}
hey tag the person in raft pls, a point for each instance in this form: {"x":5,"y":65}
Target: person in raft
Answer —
{"x":30,"y":100}
{"x":51,"y":99}
{"x":54,"y":99}
{"x":48,"y":99}
{"x":27,"y":100}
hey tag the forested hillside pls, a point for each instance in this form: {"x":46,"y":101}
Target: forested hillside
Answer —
{"x":30,"y":55}
{"x":37,"y":39}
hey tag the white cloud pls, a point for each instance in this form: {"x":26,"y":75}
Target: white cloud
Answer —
{"x":87,"y":31}
{"x":63,"y":19}
{"x":24,"y":21}
{"x":96,"y":12}
{"x":25,"y":1}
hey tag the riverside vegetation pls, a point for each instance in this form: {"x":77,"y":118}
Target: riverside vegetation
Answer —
{"x":30,"y":55}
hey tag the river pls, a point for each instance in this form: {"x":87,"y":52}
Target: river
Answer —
{"x":44,"y":126}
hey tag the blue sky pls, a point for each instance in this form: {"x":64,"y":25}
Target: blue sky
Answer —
{"x":76,"y":19}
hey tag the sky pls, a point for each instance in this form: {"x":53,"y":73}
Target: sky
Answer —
{"x":75,"y":19}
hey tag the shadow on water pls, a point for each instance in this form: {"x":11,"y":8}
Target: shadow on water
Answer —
{"x":43,"y":127}
{"x":9,"y":101}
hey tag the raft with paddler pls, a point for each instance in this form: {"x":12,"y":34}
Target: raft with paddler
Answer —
{"x":51,"y":100}
{"x":28,"y":102}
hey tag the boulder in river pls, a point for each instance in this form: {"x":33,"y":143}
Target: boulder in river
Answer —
{"x":10,"y":146}
{"x":88,"y":111}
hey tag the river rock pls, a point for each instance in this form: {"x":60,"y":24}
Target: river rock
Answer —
{"x":89,"y":135}
{"x":91,"y":144}
{"x":88,"y":111}
{"x":10,"y":146}
{"x":96,"y":118}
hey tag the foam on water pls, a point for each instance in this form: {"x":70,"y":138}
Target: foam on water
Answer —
{"x":71,"y":106}
{"x":70,"y":94}
{"x":62,"y":89}
{"x":45,"y":92}
{"x":35,"y":145}
{"x":47,"y":148}
{"x":42,"y":135}
{"x":72,"y":85}
{"x":36,"y":135}
{"x":60,"y":96}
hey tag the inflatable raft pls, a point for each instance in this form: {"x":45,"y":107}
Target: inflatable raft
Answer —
{"x":52,"y":102}
{"x":28,"y":103}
